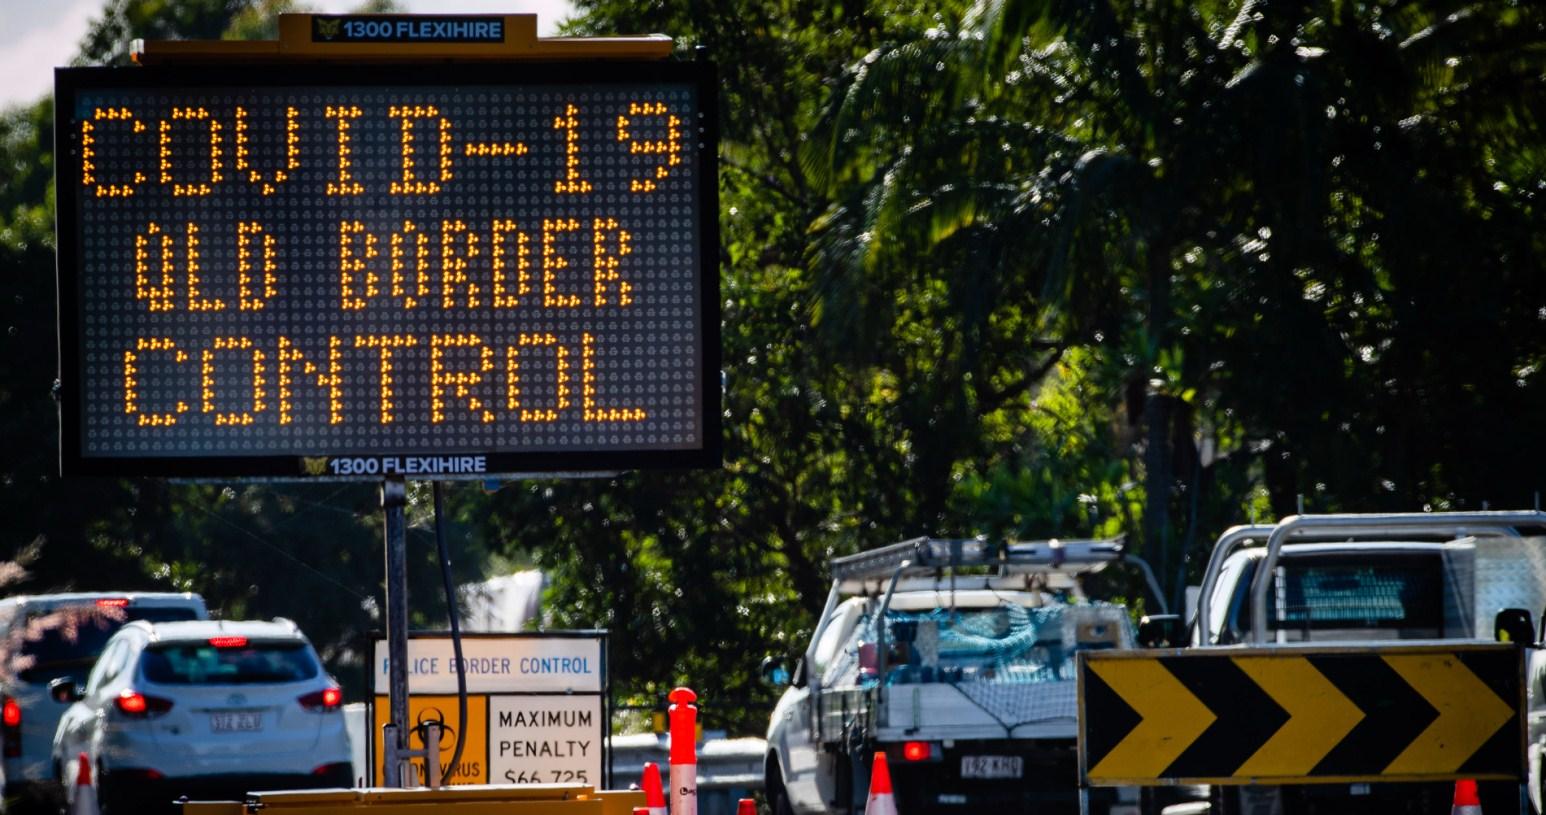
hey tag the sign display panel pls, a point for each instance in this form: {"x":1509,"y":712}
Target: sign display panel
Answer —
{"x":537,"y":705}
{"x":362,"y":272}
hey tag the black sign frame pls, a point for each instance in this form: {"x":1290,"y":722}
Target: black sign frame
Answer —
{"x":69,"y":81}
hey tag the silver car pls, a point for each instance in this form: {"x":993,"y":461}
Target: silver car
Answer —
{"x":49,"y":636}
{"x":209,"y":710}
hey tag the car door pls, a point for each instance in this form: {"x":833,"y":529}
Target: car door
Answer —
{"x":803,"y":780}
{"x":79,"y":727}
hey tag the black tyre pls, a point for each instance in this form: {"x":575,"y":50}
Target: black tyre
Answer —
{"x":778,"y":797}
{"x":1226,"y":800}
{"x":853,"y":785}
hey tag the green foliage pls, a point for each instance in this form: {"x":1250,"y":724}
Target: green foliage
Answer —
{"x":1025,"y":268}
{"x":1285,"y":230}
{"x":123,"y":21}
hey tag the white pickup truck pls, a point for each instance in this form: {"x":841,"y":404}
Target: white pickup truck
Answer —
{"x":955,"y":658}
{"x":1371,"y":578}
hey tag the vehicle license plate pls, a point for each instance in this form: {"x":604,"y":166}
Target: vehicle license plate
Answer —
{"x":243,"y":722}
{"x":992,"y":767}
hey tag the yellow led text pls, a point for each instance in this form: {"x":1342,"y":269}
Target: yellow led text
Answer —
{"x":570,"y":124}
{"x":292,"y":160}
{"x":131,"y":382}
{"x":410,"y":183}
{"x":207,"y":380}
{"x":459,"y":383}
{"x":191,"y":115}
{"x":89,"y":154}
{"x":344,"y":184}
{"x":670,"y":147}
{"x":386,"y":343}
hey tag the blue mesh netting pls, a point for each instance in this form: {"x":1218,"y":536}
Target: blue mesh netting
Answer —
{"x":1013,"y":662}
{"x":1008,"y":643}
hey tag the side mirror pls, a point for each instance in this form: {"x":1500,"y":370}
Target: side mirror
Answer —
{"x":1160,"y":631}
{"x":64,"y":690}
{"x":775,"y":672}
{"x":1514,"y":625}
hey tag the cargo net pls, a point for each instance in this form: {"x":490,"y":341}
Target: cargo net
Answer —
{"x":1015,"y":663}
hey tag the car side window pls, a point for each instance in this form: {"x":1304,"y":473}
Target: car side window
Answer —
{"x":94,"y":679}
{"x":108,"y":666}
{"x":836,"y":634}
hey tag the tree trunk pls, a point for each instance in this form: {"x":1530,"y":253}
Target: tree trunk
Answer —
{"x":1156,"y":499}
{"x":1157,"y":459}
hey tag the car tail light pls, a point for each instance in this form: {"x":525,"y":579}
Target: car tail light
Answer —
{"x":113,"y":602}
{"x":917,"y":751}
{"x":228,"y":642}
{"x":10,"y":717}
{"x":329,"y":769}
{"x":325,"y":700}
{"x":137,"y":705}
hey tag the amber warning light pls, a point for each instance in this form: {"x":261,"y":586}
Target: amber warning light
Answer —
{"x":293,"y":272}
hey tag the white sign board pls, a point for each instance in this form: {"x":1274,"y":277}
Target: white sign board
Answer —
{"x":510,"y":664}
{"x":536,"y":710}
{"x":545,"y":739}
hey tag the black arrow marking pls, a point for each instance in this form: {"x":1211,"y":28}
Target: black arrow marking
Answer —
{"x":1394,"y":714}
{"x":1247,"y":717}
{"x":1499,"y":672}
{"x":1112,"y":721}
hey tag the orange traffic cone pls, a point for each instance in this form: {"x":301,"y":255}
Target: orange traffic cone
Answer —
{"x":654,"y":796}
{"x":1466,"y":800}
{"x":882,"y":800}
{"x":84,"y":800}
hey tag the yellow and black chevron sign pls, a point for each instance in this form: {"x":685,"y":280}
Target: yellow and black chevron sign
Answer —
{"x":1301,"y":715}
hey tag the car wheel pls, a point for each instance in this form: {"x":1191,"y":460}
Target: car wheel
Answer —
{"x":778,"y":796}
{"x":858,"y":784}
{"x":1226,"y":800}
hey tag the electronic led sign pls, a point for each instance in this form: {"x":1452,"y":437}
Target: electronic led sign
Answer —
{"x":433,"y":271}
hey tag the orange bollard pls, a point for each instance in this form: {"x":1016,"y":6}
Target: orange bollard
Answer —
{"x":684,"y":752}
{"x":654,"y":798}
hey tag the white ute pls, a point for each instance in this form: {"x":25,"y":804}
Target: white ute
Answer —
{"x":956,"y":659}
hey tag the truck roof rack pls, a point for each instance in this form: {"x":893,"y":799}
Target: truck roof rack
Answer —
{"x":922,"y":555}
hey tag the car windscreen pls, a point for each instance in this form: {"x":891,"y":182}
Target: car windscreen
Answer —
{"x":1398,"y":596}
{"x":73,"y":639}
{"x":253,"y":663}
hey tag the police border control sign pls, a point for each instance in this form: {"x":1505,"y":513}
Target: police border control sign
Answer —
{"x":538,"y":705}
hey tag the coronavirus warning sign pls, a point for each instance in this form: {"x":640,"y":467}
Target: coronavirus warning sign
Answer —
{"x":537,"y":709}
{"x":362,"y":272}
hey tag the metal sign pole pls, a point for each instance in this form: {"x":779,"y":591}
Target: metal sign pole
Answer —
{"x":394,"y":497}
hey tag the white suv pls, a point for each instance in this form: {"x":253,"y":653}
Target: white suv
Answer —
{"x":204,"y":709}
{"x":49,"y":636}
